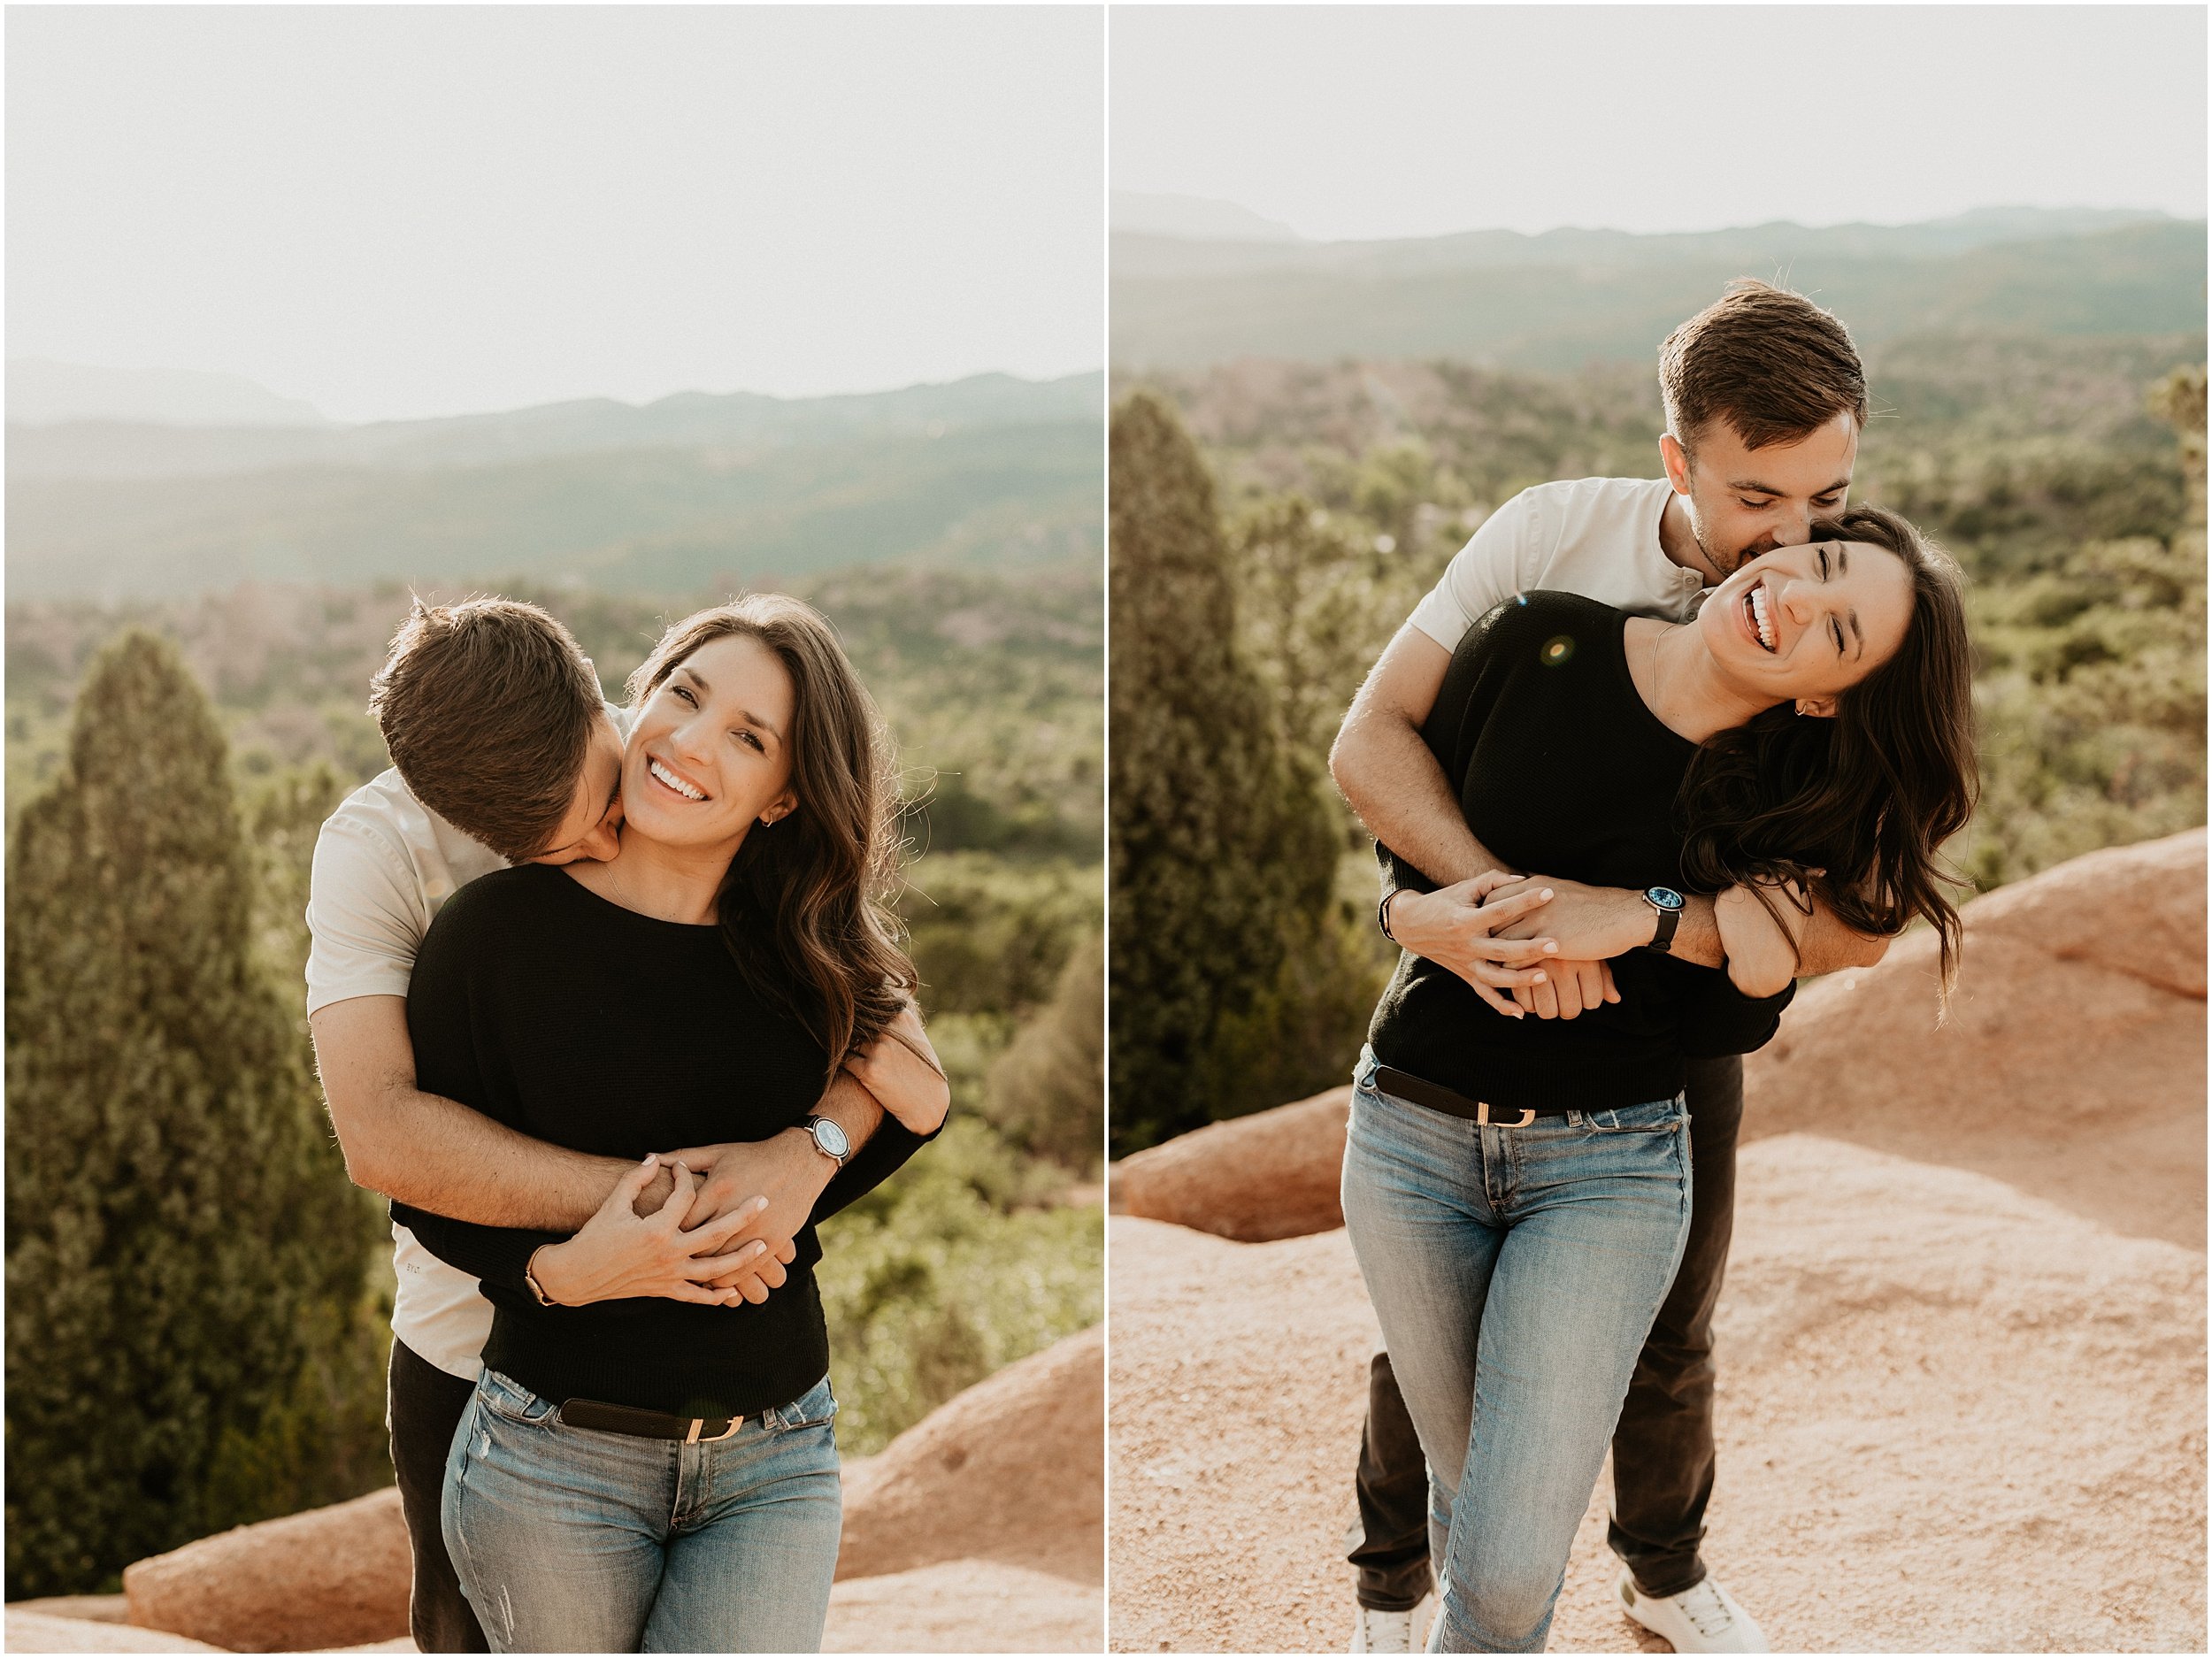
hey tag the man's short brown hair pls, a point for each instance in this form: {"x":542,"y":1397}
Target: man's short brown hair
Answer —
{"x":486,"y":708}
{"x":1770,"y":362}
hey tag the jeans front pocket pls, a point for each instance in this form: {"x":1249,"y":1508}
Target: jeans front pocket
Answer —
{"x":814,"y":1409}
{"x":1655,"y":1117}
{"x":510,"y":1400}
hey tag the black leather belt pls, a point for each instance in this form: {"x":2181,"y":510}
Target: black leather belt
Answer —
{"x":648,"y":1425}
{"x":1406,"y":1085}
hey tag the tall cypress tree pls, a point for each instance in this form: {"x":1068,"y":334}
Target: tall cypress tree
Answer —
{"x":178,"y":1224}
{"x":1223,"y":854}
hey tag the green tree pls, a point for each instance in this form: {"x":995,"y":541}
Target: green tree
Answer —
{"x":1223,"y":854}
{"x":1048,"y":1090}
{"x":180,"y":1234}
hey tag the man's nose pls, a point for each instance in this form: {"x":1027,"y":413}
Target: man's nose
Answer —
{"x":1793,"y":525}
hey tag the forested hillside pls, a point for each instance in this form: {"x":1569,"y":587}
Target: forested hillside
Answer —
{"x":689,"y":492}
{"x":1556,"y":302}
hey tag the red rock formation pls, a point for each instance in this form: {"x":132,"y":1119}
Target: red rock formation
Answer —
{"x":1011,"y":1471}
{"x":1270,"y":1175}
{"x":332,"y":1577}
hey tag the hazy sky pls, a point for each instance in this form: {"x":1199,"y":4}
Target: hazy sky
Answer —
{"x":1417,"y":121}
{"x":424,"y":211}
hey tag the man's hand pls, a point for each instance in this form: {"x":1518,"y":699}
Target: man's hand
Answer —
{"x":620,"y":1252}
{"x":784,"y":1175}
{"x":1457,"y":927}
{"x":1590,"y":924}
{"x":902,"y":1069}
{"x":1569,"y":989}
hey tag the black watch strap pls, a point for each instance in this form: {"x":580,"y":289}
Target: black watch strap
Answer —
{"x":1663,"y":938}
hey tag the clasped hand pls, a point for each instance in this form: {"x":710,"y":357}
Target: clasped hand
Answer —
{"x":710,"y":1224}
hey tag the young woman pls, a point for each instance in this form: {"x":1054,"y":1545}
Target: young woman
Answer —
{"x":638,"y":1473}
{"x":1517,"y":1191}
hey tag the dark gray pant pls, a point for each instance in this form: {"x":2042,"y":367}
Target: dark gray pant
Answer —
{"x":422,"y":1407}
{"x":1662,"y":1449}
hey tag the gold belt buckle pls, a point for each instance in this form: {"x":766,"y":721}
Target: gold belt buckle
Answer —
{"x":698,"y":1422}
{"x":1482,"y":1116}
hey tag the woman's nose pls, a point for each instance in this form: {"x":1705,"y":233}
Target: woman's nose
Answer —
{"x":1799,"y":602}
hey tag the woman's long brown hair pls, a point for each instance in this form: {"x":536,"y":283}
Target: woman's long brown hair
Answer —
{"x":1854,"y":806}
{"x":803,"y":907}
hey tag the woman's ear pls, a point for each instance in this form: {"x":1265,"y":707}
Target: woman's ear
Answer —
{"x":782,"y":806}
{"x":1816,"y":706}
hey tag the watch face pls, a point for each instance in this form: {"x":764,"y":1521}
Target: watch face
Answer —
{"x":1665,"y":897}
{"x":831,"y":1138}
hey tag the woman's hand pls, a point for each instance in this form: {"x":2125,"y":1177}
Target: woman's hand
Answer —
{"x":1762,"y":944}
{"x":1455,"y":928}
{"x":621,"y":1254}
{"x":902,"y":1069}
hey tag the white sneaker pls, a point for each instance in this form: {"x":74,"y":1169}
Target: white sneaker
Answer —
{"x":1392,"y":1632}
{"x":1702,"y":1619}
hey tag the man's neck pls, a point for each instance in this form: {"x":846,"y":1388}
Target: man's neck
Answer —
{"x":1677,"y":540}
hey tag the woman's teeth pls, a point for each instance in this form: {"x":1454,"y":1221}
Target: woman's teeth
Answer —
{"x":664,"y":775}
{"x":1761,"y":622}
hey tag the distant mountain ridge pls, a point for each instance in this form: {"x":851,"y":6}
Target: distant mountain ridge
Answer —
{"x":1555,"y":302}
{"x":117,"y":450}
{"x":688,"y":492}
{"x":42,"y":392}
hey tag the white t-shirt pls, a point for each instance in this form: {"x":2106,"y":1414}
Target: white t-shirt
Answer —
{"x":1595,"y":536}
{"x":385,"y":864}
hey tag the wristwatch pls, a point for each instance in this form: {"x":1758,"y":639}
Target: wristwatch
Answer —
{"x":831,"y":1140}
{"x":1668,"y":903}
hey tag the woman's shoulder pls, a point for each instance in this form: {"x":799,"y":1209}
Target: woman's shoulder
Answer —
{"x":1539,"y":619}
{"x":488,"y":907}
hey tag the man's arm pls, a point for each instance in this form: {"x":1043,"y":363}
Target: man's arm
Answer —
{"x":435,"y":1154}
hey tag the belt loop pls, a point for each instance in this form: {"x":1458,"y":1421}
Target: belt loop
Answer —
{"x":1482,"y":1113}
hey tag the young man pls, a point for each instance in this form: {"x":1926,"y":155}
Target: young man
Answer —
{"x":504,"y":752}
{"x":1764,"y":400}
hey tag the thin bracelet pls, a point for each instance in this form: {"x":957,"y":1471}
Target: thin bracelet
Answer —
{"x":1382,"y":915}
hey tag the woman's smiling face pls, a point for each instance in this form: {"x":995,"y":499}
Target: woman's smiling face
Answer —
{"x":709,"y":755}
{"x":1804,"y":623}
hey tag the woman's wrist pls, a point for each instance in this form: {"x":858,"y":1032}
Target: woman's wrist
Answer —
{"x":550,"y":1272}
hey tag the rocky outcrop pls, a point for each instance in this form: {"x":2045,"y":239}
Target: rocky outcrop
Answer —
{"x":1952,"y":1417}
{"x":1011,"y":1471}
{"x":965,"y":1606}
{"x":43,"y":1632}
{"x":334,"y":1576}
{"x":2071,"y":1064}
{"x":1255,"y":1178}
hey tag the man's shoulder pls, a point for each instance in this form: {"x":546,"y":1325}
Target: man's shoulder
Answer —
{"x":1568,"y":501}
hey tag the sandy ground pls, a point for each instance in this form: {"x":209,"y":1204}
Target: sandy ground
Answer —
{"x":965,"y":1606}
{"x":1952,"y":1417}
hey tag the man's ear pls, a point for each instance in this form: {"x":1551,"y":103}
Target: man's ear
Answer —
{"x":1677,"y":461}
{"x":1816,"y":706}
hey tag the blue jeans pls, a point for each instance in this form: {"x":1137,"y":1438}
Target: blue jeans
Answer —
{"x":1516,"y":1272}
{"x":569,"y":1539}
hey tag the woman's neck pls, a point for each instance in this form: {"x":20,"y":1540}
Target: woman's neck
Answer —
{"x":1680,"y":682}
{"x":669,"y":883}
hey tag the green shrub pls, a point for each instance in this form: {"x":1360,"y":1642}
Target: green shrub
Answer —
{"x":1047,"y":1091}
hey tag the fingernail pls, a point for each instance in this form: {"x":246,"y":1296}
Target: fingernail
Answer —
{"x":755,"y":1206}
{"x":1550,"y":948}
{"x":651,"y":1157}
{"x":1538,"y":979}
{"x":1546,"y":891}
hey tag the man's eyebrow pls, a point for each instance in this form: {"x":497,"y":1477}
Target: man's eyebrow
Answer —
{"x":1753,"y":486}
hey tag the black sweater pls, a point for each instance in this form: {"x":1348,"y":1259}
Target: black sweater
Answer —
{"x":1561,"y":769}
{"x":574,"y":1020}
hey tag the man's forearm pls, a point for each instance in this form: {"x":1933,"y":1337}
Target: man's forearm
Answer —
{"x":1829,"y":947}
{"x":434,"y":1153}
{"x":461,"y":1163}
{"x":853,"y":1109}
{"x":1390,"y":779}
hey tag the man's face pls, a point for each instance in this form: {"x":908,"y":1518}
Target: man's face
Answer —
{"x":1745,"y":501}
{"x":592,"y":826}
